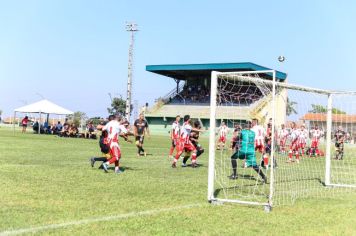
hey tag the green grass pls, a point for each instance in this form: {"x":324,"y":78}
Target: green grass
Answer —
{"x":47,"y":180}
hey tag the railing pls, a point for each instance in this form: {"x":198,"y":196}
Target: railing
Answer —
{"x":173,"y":93}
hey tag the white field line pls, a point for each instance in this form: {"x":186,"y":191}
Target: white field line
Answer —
{"x":94,"y":220}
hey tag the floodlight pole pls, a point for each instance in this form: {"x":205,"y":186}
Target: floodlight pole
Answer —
{"x":130,"y":27}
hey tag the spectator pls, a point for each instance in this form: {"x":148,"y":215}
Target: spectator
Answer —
{"x":24,"y":124}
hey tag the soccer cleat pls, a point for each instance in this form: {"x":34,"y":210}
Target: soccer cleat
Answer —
{"x":289,"y":161}
{"x":232,"y":176}
{"x":118,"y":171}
{"x":92,"y":161}
{"x":174,"y":165}
{"x":105,"y":167}
{"x":184,"y":165}
{"x":194,"y":165}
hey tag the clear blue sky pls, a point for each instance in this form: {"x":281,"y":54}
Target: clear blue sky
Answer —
{"x":75,"y":52}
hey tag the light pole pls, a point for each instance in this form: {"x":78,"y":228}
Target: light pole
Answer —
{"x":132,"y":28}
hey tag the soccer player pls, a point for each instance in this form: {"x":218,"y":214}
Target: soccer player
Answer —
{"x":247,"y":153}
{"x":175,"y":131}
{"x":140,"y":129}
{"x":194,"y":138}
{"x":294,"y":146}
{"x":105,"y":150}
{"x":185,"y":144}
{"x":223,"y":131}
{"x":283,"y":135}
{"x":316,"y":134}
{"x":340,"y":136}
{"x":303,"y":136}
{"x":235,"y":140}
{"x":114,"y":129}
{"x":260,"y":134}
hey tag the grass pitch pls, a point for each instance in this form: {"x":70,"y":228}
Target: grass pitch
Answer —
{"x":48,"y":187}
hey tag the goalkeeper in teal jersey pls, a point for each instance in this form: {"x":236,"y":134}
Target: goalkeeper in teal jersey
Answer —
{"x":246,"y":152}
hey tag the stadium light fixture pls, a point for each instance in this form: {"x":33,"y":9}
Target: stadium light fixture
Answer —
{"x":130,"y":27}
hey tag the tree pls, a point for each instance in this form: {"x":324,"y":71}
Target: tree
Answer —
{"x":118,"y":105}
{"x":316,"y":108}
{"x":77,"y":118}
{"x":290,"y":107}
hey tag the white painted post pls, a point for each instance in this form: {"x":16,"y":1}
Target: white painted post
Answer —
{"x":271,"y":178}
{"x":328,"y":142}
{"x":211,"y":174}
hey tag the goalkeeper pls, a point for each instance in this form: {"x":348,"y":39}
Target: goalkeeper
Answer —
{"x":246,"y":152}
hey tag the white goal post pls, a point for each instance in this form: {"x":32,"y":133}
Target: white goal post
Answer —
{"x":245,"y":95}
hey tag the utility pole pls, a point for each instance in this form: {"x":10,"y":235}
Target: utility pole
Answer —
{"x":132,"y":28}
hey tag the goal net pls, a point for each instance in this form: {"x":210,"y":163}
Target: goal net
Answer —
{"x":304,"y":140}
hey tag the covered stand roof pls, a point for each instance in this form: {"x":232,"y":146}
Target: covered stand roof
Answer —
{"x":203,"y":71}
{"x":44,"y":106}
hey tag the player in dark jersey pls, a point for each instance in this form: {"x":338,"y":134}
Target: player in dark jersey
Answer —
{"x":194,"y":136}
{"x":140,"y":129}
{"x":235,"y":141}
{"x":339,"y":143}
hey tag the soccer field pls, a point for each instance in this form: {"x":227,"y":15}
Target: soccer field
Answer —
{"x":48,"y":187}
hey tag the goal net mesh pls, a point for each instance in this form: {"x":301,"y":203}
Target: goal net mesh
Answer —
{"x":299,"y":152}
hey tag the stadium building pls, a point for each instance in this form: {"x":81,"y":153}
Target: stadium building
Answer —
{"x":192,"y":95}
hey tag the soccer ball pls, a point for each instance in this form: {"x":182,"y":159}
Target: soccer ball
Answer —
{"x":281,"y":58}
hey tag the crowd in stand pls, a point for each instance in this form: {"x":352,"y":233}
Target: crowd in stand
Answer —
{"x":230,"y":94}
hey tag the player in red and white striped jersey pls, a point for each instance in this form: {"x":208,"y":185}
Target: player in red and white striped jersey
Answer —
{"x":316,"y":134}
{"x":223,"y":131}
{"x":260,"y":134}
{"x":294,"y":146}
{"x":185,"y":143}
{"x":303,"y":137}
{"x":282,"y":136}
{"x":114,"y":129}
{"x":175,"y":134}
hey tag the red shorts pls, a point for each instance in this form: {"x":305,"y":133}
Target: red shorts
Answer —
{"x":189,"y":147}
{"x":222,"y":139}
{"x":294,"y":146}
{"x":315,"y":144}
{"x":260,"y":148}
{"x":115,"y":152}
{"x":282,"y":142}
{"x":302,"y":145}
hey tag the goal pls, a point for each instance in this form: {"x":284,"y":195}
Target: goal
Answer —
{"x":312,"y":156}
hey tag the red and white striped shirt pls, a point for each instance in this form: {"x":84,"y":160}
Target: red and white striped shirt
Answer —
{"x":185,"y":131}
{"x":175,"y":132}
{"x":223,"y":130}
{"x":260,"y":134}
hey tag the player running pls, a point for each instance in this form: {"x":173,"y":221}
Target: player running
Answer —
{"x":223,"y":131}
{"x":114,"y":130}
{"x":316,"y":134}
{"x":247,"y":153}
{"x":140,"y":129}
{"x":340,"y":136}
{"x":282,"y":136}
{"x":175,"y":132}
{"x":294,"y":146}
{"x":303,"y":136}
{"x":185,"y":143}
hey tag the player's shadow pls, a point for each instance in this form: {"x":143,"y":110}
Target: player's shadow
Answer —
{"x":198,"y":165}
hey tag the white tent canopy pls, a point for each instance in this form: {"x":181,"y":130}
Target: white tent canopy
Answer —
{"x":44,"y":106}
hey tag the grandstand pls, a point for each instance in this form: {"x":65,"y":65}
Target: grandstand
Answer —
{"x":192,"y":94}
